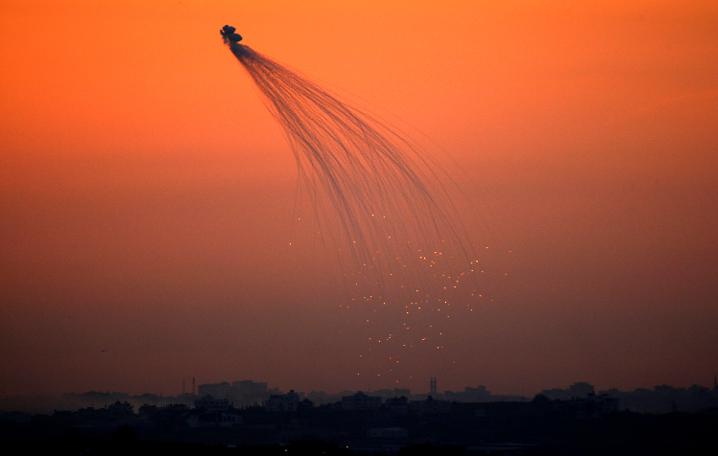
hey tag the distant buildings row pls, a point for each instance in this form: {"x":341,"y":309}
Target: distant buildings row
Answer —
{"x":361,"y":423}
{"x":241,"y":393}
{"x":247,"y":393}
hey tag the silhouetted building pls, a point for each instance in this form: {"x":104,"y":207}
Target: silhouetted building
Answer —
{"x":666,"y":398}
{"x":390,"y":393}
{"x":209,"y":403}
{"x":241,"y":393}
{"x":283,"y":402}
{"x":360,"y":401}
{"x":322,"y":397}
{"x":576,"y":391}
{"x":121,"y":409}
{"x":429,"y":406}
{"x":223,"y":419}
{"x":249,"y":387}
{"x":479,"y":394}
{"x":217,"y":390}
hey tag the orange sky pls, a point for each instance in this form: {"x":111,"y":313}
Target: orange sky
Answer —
{"x":146,"y":194}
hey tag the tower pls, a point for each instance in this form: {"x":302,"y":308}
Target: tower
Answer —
{"x":432,"y":386}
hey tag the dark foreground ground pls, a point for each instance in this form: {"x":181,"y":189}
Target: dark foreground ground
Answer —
{"x":534,"y":428}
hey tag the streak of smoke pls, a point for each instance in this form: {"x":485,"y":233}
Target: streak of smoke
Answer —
{"x":378,"y":185}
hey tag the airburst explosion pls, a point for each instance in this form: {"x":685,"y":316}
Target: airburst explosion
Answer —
{"x":394,"y":215}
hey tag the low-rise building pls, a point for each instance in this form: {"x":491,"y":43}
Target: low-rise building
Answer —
{"x":360,"y":401}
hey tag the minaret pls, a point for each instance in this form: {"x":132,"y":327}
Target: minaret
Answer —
{"x":194,"y":386}
{"x":432,"y":386}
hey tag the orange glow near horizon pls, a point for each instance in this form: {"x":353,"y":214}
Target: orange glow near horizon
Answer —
{"x":146,"y":192}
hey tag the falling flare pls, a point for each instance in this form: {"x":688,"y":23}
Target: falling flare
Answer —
{"x":359,"y":166}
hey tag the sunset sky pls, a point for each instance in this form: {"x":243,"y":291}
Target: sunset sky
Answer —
{"x":146,"y":194}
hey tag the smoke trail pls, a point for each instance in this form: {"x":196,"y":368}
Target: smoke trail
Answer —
{"x":375,"y":181}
